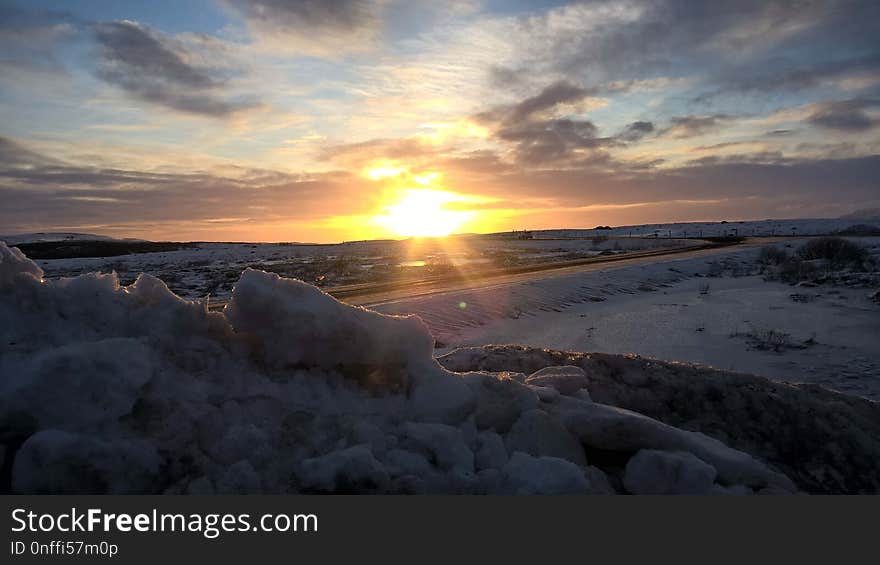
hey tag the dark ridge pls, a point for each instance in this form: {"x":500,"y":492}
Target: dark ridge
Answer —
{"x":76,"y":249}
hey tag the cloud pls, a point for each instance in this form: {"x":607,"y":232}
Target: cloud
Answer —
{"x":30,"y":41}
{"x":560,"y":92}
{"x":410,"y":150}
{"x":503,"y":77}
{"x":816,"y":186}
{"x":681,"y":127}
{"x":847,"y":116}
{"x":724,"y":47}
{"x":13,"y":155}
{"x":636,"y":131}
{"x":771,"y":74}
{"x":159,"y":69}
{"x":638,"y":38}
{"x":779,"y":133}
{"x":539,"y":136}
{"x":313,"y":27}
{"x":40,"y":192}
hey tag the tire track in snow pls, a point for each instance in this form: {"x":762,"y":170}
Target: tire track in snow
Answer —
{"x":447,"y":314}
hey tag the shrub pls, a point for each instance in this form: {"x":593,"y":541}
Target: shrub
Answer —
{"x":794,"y":269}
{"x":772,"y":256}
{"x":837,"y":251}
{"x":860,"y":230}
{"x":770,"y":340}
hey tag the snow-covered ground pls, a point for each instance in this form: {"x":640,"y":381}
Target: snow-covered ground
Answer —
{"x":112,"y":388}
{"x":674,"y":310}
{"x":807,"y":226}
{"x":211,"y":268}
{"x":130,"y":389}
{"x":53,"y":236}
{"x":203,"y":269}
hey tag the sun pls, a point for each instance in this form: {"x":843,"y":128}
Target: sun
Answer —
{"x":423,"y":213}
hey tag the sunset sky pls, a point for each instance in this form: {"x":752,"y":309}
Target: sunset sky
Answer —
{"x":337,"y":120}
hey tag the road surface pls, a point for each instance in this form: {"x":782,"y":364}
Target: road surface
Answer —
{"x":376,"y":294}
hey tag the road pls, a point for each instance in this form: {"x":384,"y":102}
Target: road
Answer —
{"x":380,"y":293}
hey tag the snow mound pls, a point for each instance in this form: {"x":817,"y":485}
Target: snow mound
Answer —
{"x":130,"y":389}
{"x":294,"y":324}
{"x":665,"y":472}
{"x":825,"y":441}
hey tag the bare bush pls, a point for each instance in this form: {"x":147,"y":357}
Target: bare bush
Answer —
{"x":839,"y":252}
{"x":772,"y":256}
{"x":795,"y":269}
{"x":769,"y":339}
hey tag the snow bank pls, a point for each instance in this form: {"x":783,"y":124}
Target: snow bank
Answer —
{"x":130,"y":389}
{"x":825,"y":441}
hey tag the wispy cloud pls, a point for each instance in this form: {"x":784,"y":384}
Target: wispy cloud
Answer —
{"x":156,"y":68}
{"x":326,"y":28}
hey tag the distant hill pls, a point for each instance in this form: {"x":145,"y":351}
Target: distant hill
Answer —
{"x":55,"y":236}
{"x":866,"y":214}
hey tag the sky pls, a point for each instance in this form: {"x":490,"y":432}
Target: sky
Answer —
{"x":333,"y":120}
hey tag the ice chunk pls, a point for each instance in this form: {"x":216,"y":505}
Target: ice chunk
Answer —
{"x":240,"y":478}
{"x":57,"y":462}
{"x":538,"y":434}
{"x":82,"y":385}
{"x":14,"y":264}
{"x":293,"y":324}
{"x":348,"y":470}
{"x":566,"y":379}
{"x":499,"y":401}
{"x":445,"y":444}
{"x":438,"y":396}
{"x":525,"y":474}
{"x":664,"y":472}
{"x":607,"y":427}
{"x":491,"y":453}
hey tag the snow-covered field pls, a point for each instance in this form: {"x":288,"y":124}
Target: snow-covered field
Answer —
{"x":211,"y":268}
{"x":205,"y":269}
{"x":132,"y":389}
{"x":793,"y":227}
{"x":108,"y":388}
{"x":700,"y":310}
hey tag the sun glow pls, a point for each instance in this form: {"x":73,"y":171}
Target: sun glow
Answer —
{"x":424,"y":213}
{"x":383,"y":169}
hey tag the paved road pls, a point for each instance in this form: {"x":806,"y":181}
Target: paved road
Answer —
{"x":381,"y":293}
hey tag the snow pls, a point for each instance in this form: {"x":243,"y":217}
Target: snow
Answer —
{"x":699,"y":310}
{"x":131,"y":389}
{"x":18,"y":239}
{"x":525,"y":474}
{"x":205,"y":269}
{"x":770,"y":227}
{"x":538,"y":434}
{"x":823,"y":440}
{"x":353,"y":469}
{"x":295,"y":324}
{"x":664,"y":472}
{"x":53,"y":461}
{"x":566,"y":380}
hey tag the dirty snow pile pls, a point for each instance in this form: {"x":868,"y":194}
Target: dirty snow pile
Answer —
{"x":131,"y":389}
